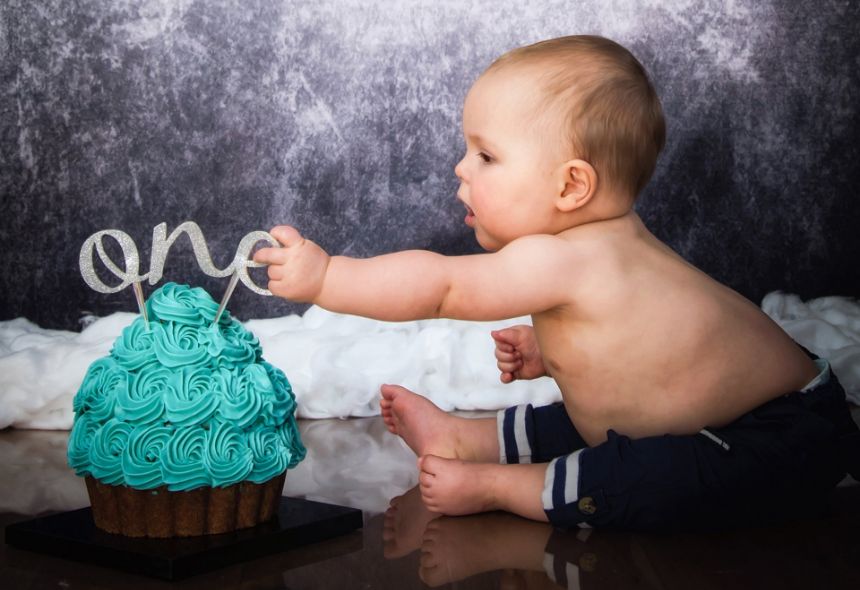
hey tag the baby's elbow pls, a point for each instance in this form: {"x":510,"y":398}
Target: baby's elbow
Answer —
{"x":455,"y":305}
{"x":440,"y":311}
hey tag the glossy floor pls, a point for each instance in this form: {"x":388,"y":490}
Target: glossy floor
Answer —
{"x":357,"y":463}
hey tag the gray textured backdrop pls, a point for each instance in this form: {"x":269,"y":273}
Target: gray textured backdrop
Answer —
{"x":342,"y":117}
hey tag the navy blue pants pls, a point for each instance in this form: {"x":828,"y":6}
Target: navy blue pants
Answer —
{"x":777,"y":462}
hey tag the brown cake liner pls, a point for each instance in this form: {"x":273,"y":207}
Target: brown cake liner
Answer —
{"x":161,"y":513}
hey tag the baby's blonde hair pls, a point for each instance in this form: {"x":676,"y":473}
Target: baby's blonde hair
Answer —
{"x":610,"y":114}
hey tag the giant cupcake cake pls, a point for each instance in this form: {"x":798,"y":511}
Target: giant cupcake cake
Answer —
{"x":183,"y":429}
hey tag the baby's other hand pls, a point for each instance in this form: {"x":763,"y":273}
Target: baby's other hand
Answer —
{"x":517,"y":353}
{"x":296,"y":271}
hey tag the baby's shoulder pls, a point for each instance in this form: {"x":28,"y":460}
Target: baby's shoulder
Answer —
{"x":548,"y":252}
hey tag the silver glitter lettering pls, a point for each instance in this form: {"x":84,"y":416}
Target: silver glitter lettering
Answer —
{"x":161,"y":244}
{"x":130,"y":255}
{"x":242,"y":260}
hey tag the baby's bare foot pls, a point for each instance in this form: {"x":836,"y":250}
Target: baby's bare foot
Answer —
{"x":454,"y":487}
{"x":404,"y":524}
{"x":422,"y":425}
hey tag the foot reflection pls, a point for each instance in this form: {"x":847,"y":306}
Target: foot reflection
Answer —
{"x":405,"y":522}
{"x":455,"y":548}
{"x":815,"y":552}
{"x":524,"y":553}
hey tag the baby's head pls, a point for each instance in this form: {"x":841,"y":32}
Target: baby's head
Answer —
{"x":598,"y":97}
{"x":578,"y":108}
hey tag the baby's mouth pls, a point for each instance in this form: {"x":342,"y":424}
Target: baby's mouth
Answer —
{"x":470,"y":216}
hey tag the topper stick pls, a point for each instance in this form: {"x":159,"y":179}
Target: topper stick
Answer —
{"x":227,"y":294}
{"x":138,"y":294}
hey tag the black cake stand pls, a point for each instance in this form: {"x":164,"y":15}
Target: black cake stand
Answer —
{"x":73,"y":535}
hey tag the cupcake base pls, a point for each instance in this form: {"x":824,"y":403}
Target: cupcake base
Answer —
{"x":160,"y":513}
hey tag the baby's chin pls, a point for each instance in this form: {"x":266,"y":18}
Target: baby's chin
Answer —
{"x":488,"y":243}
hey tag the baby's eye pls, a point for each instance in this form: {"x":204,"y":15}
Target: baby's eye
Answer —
{"x":485,"y":158}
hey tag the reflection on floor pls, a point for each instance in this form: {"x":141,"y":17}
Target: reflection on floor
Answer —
{"x":357,"y":463}
{"x":821,"y":552}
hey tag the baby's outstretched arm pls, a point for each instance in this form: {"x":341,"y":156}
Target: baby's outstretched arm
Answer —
{"x":517,"y":353}
{"x":522,"y":278}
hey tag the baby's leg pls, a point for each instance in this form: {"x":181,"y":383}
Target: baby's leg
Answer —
{"x":429,"y":430}
{"x":454,"y":487}
{"x":651,"y":483}
{"x":779,"y":461}
{"x":519,"y":434}
{"x":536,"y":435}
{"x":525,"y":437}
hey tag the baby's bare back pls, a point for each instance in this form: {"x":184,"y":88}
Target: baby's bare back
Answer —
{"x":650,"y":345}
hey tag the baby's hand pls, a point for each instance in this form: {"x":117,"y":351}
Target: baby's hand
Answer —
{"x":296,"y":271}
{"x":518,"y":354}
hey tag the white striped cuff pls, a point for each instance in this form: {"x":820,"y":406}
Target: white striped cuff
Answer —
{"x":513,"y":440}
{"x":561,"y":481}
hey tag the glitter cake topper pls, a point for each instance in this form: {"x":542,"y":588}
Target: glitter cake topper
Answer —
{"x":161,"y":244}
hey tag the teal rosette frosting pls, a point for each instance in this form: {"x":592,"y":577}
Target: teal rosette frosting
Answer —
{"x":106,"y":451}
{"x":184,"y":403}
{"x":80,"y":441}
{"x":142,"y":401}
{"x":242,"y":395}
{"x":141,"y":459}
{"x":270,"y":456}
{"x":182,"y":460}
{"x":283,"y":403}
{"x":182,"y":304}
{"x":191,"y":400}
{"x":135,"y":346}
{"x":177,"y":345}
{"x":289,"y":434}
{"x":242,"y":346}
{"x":233,"y":343}
{"x":97,"y":394}
{"x":228,"y":458}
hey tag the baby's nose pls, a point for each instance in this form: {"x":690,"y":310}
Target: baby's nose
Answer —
{"x":459,"y":169}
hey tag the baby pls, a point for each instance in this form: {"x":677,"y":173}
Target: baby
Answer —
{"x":684,"y":406}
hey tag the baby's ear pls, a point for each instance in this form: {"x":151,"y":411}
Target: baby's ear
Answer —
{"x":577,"y":183}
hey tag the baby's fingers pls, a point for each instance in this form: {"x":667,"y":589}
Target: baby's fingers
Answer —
{"x":510,"y":367}
{"x":506,"y":356}
{"x":287,"y":235}
{"x":275,"y":272}
{"x":270,"y":256}
{"x":505,"y":338}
